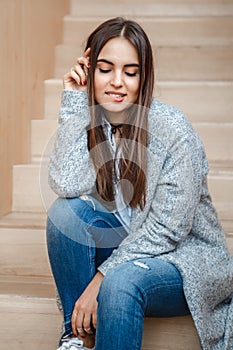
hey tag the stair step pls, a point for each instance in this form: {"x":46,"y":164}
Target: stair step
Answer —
{"x":218,"y":141}
{"x":25,"y":268}
{"x":163,"y":333}
{"x":24,"y":253}
{"x":201,"y":101}
{"x":42,"y":132}
{"x":221,"y":188}
{"x":158,"y":8}
{"x":24,"y":258}
{"x":173,"y":63}
{"x":27,"y":220}
{"x":31,"y":316}
{"x":37,"y":220}
{"x":52,"y":99}
{"x":162,"y":31}
{"x":26,"y":182}
{"x":33,"y":286}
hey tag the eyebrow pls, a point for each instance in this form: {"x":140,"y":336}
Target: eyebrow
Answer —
{"x":126,"y":65}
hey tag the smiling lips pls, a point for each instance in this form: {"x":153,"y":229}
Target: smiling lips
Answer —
{"x":117,"y":96}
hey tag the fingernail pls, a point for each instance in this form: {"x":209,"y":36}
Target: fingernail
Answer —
{"x":88,"y":64}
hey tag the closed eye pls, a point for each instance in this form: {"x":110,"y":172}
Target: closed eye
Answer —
{"x":104,"y":70}
{"x":131,"y":74}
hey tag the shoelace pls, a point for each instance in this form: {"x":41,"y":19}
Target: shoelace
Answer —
{"x":72,"y":344}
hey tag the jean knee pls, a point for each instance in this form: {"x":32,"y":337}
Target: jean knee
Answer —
{"x":65,"y":210}
{"x":67,"y":217}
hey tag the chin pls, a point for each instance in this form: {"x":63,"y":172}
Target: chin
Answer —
{"x":116,"y":107}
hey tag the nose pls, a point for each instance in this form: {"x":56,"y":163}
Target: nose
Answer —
{"x":117,"y":79}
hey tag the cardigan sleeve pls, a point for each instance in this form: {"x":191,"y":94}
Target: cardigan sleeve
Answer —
{"x":71,"y":173}
{"x":176,"y":197}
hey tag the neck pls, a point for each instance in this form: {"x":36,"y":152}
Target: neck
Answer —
{"x":115,"y":118}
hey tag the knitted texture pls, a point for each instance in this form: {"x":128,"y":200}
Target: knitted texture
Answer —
{"x":178,"y":224}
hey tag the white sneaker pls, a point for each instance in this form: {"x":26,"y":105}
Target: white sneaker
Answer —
{"x":73,"y":344}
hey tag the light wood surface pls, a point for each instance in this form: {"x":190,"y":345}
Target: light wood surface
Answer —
{"x":37,"y":323}
{"x":29,"y":31}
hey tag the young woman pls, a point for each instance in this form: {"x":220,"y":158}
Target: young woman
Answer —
{"x":133,"y":232}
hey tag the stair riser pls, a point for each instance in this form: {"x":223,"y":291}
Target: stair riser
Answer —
{"x":26,"y":189}
{"x":42,"y":132}
{"x":24,"y":253}
{"x":221,"y":190}
{"x":165,"y":31}
{"x":33,"y":194}
{"x":52,"y":99}
{"x":179,"y":64}
{"x":194,"y":98}
{"x":217,"y":139}
{"x":200,"y":101}
{"x":160,"y":8}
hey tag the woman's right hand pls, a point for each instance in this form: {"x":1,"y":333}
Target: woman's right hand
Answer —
{"x":76,"y":79}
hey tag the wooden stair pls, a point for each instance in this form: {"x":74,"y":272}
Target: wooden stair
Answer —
{"x":193,"y":42}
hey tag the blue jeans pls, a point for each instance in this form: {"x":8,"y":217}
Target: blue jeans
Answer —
{"x":81,"y":234}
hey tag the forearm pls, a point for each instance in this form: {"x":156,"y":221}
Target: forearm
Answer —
{"x":71,"y":173}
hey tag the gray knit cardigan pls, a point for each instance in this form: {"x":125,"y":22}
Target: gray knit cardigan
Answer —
{"x":178,"y":224}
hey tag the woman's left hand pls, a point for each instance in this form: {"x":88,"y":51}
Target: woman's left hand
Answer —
{"x":85,"y":309}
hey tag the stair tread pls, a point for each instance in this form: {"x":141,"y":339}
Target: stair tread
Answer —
{"x":31,"y":328}
{"x":160,"y":8}
{"x":28,"y":220}
{"x":33,"y":286}
{"x":37,"y":220}
{"x":30,"y":318}
{"x":162,"y":31}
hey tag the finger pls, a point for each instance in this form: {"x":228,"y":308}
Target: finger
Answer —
{"x":79,"y":324}
{"x":87,"y":324}
{"x":73,"y":323}
{"x":75,"y":76}
{"x":78,"y":70}
{"x":87,"y":52}
{"x":83,"y":61}
{"x":88,"y":330}
{"x":87,"y":56}
{"x":84,"y":65}
{"x":85,"y":71}
{"x":94,"y":319}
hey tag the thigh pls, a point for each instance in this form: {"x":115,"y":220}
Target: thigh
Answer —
{"x":159,"y":284}
{"x":84,"y":216}
{"x":164,"y":290}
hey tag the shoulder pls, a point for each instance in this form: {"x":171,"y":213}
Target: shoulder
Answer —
{"x":168,"y":125}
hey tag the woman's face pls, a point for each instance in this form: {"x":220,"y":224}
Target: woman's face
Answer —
{"x":117,"y":77}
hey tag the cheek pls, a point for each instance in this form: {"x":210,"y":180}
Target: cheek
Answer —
{"x":134,"y":87}
{"x":99,"y":84}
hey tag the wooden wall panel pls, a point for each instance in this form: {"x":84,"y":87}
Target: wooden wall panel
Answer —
{"x":29,"y":32}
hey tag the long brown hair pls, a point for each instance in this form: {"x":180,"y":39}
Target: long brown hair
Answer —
{"x":134,"y":138}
